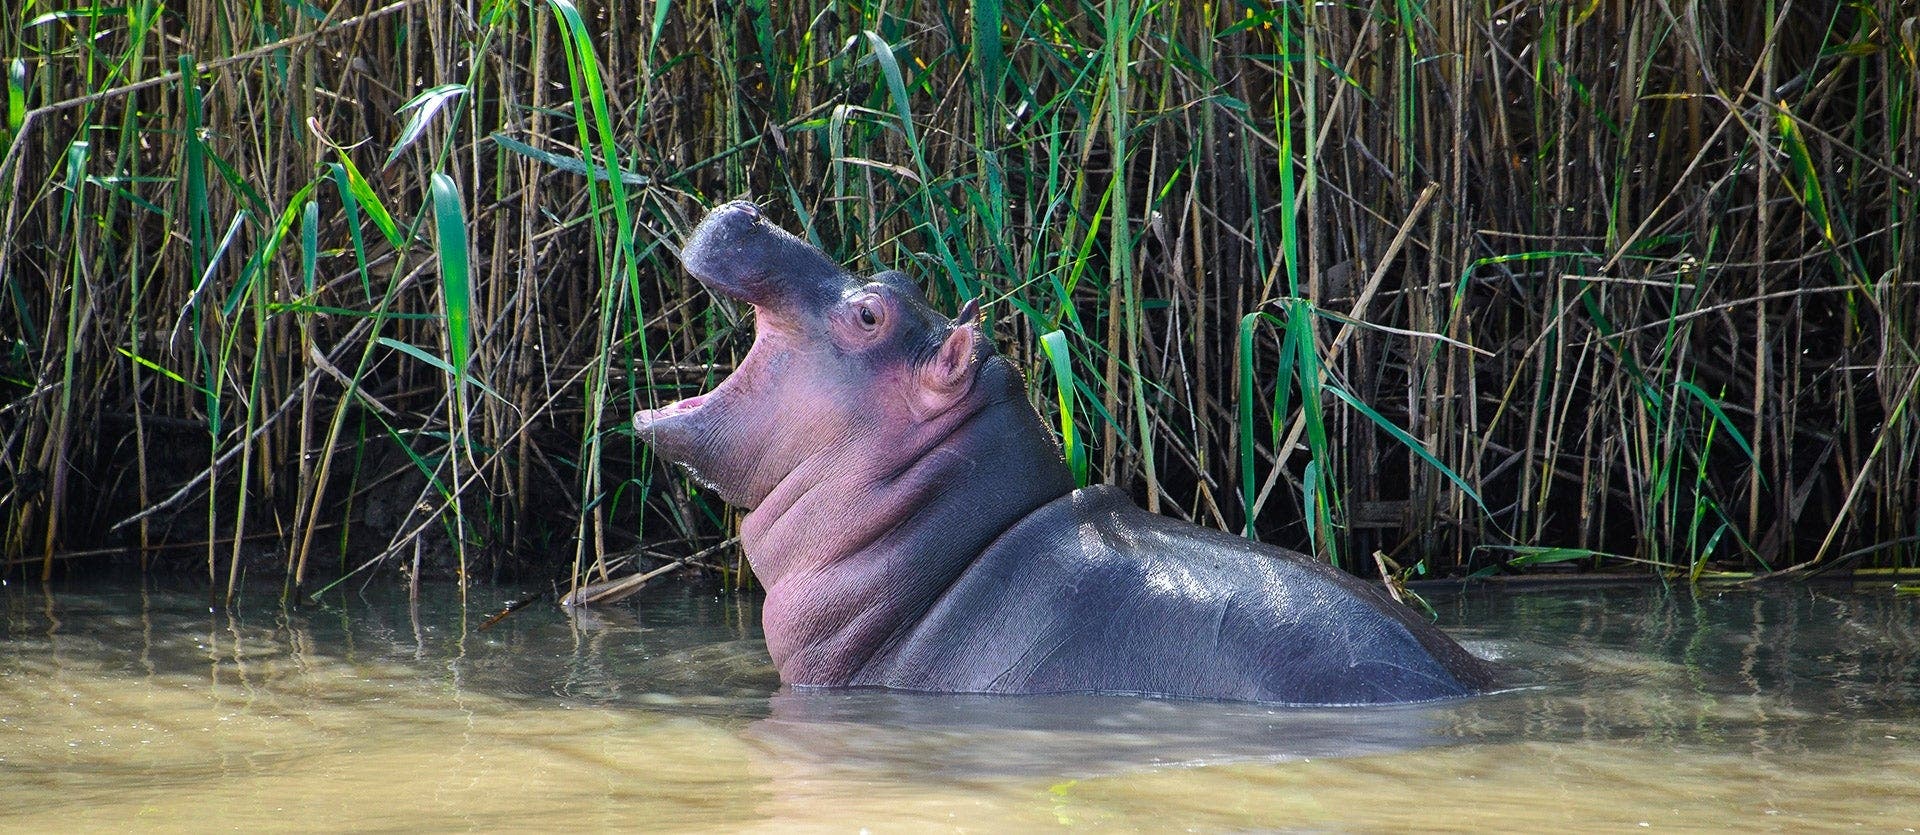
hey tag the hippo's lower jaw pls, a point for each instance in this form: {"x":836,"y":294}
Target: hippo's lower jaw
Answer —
{"x":644,"y":419}
{"x":723,"y":444}
{"x":672,"y":429}
{"x":694,"y":433}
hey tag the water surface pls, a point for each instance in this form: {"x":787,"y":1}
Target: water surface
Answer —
{"x":144,"y":706}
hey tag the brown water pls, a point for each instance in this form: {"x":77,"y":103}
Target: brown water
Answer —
{"x":145,"y":708}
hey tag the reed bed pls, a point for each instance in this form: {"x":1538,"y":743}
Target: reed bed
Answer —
{"x":1427,"y":288}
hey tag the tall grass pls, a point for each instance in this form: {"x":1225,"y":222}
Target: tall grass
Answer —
{"x":1467,"y":286}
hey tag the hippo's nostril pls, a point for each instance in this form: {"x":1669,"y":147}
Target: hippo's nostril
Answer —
{"x":751,"y":211}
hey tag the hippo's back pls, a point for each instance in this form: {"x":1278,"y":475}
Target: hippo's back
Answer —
{"x":1092,"y":594}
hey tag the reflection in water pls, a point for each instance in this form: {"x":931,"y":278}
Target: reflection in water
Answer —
{"x":1779,"y":709}
{"x":1069,"y":736}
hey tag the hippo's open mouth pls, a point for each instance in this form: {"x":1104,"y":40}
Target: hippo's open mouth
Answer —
{"x":742,"y":257}
{"x":646,"y":421}
{"x":646,"y":418}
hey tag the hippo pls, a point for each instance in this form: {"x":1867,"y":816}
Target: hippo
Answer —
{"x":915,"y":527}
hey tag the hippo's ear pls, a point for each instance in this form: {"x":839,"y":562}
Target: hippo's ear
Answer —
{"x":948,"y":374}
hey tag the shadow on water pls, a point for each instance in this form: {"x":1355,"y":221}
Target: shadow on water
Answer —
{"x":126,"y":696}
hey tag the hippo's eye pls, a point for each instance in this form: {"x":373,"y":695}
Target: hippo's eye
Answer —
{"x":868,"y":317}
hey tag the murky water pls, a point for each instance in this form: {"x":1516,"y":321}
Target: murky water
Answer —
{"x":140,"y":707}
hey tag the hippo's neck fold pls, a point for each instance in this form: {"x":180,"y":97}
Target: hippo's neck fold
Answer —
{"x":852,"y":555}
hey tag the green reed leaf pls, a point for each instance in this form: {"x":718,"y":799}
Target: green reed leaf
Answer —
{"x":350,"y":204}
{"x":1806,"y":174}
{"x":1249,"y":480}
{"x":896,"y":86}
{"x":425,"y":106}
{"x":989,"y":58}
{"x":573,"y":165}
{"x":309,"y":244}
{"x":445,"y":367}
{"x":93,"y":13}
{"x":1719,"y":416}
{"x":162,"y":370}
{"x":363,"y":194}
{"x":16,"y":95}
{"x":1412,"y":444}
{"x":456,"y":289}
{"x":1054,"y":343}
{"x":1541,"y":555}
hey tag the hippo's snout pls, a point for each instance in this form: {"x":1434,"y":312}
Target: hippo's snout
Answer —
{"x":729,"y":221}
{"x":742,"y":255}
{"x":730,"y":249}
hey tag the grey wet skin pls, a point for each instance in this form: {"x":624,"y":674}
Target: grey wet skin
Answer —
{"x":915,"y":527}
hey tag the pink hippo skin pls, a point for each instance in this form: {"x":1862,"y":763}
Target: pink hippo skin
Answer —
{"x":915,"y":527}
